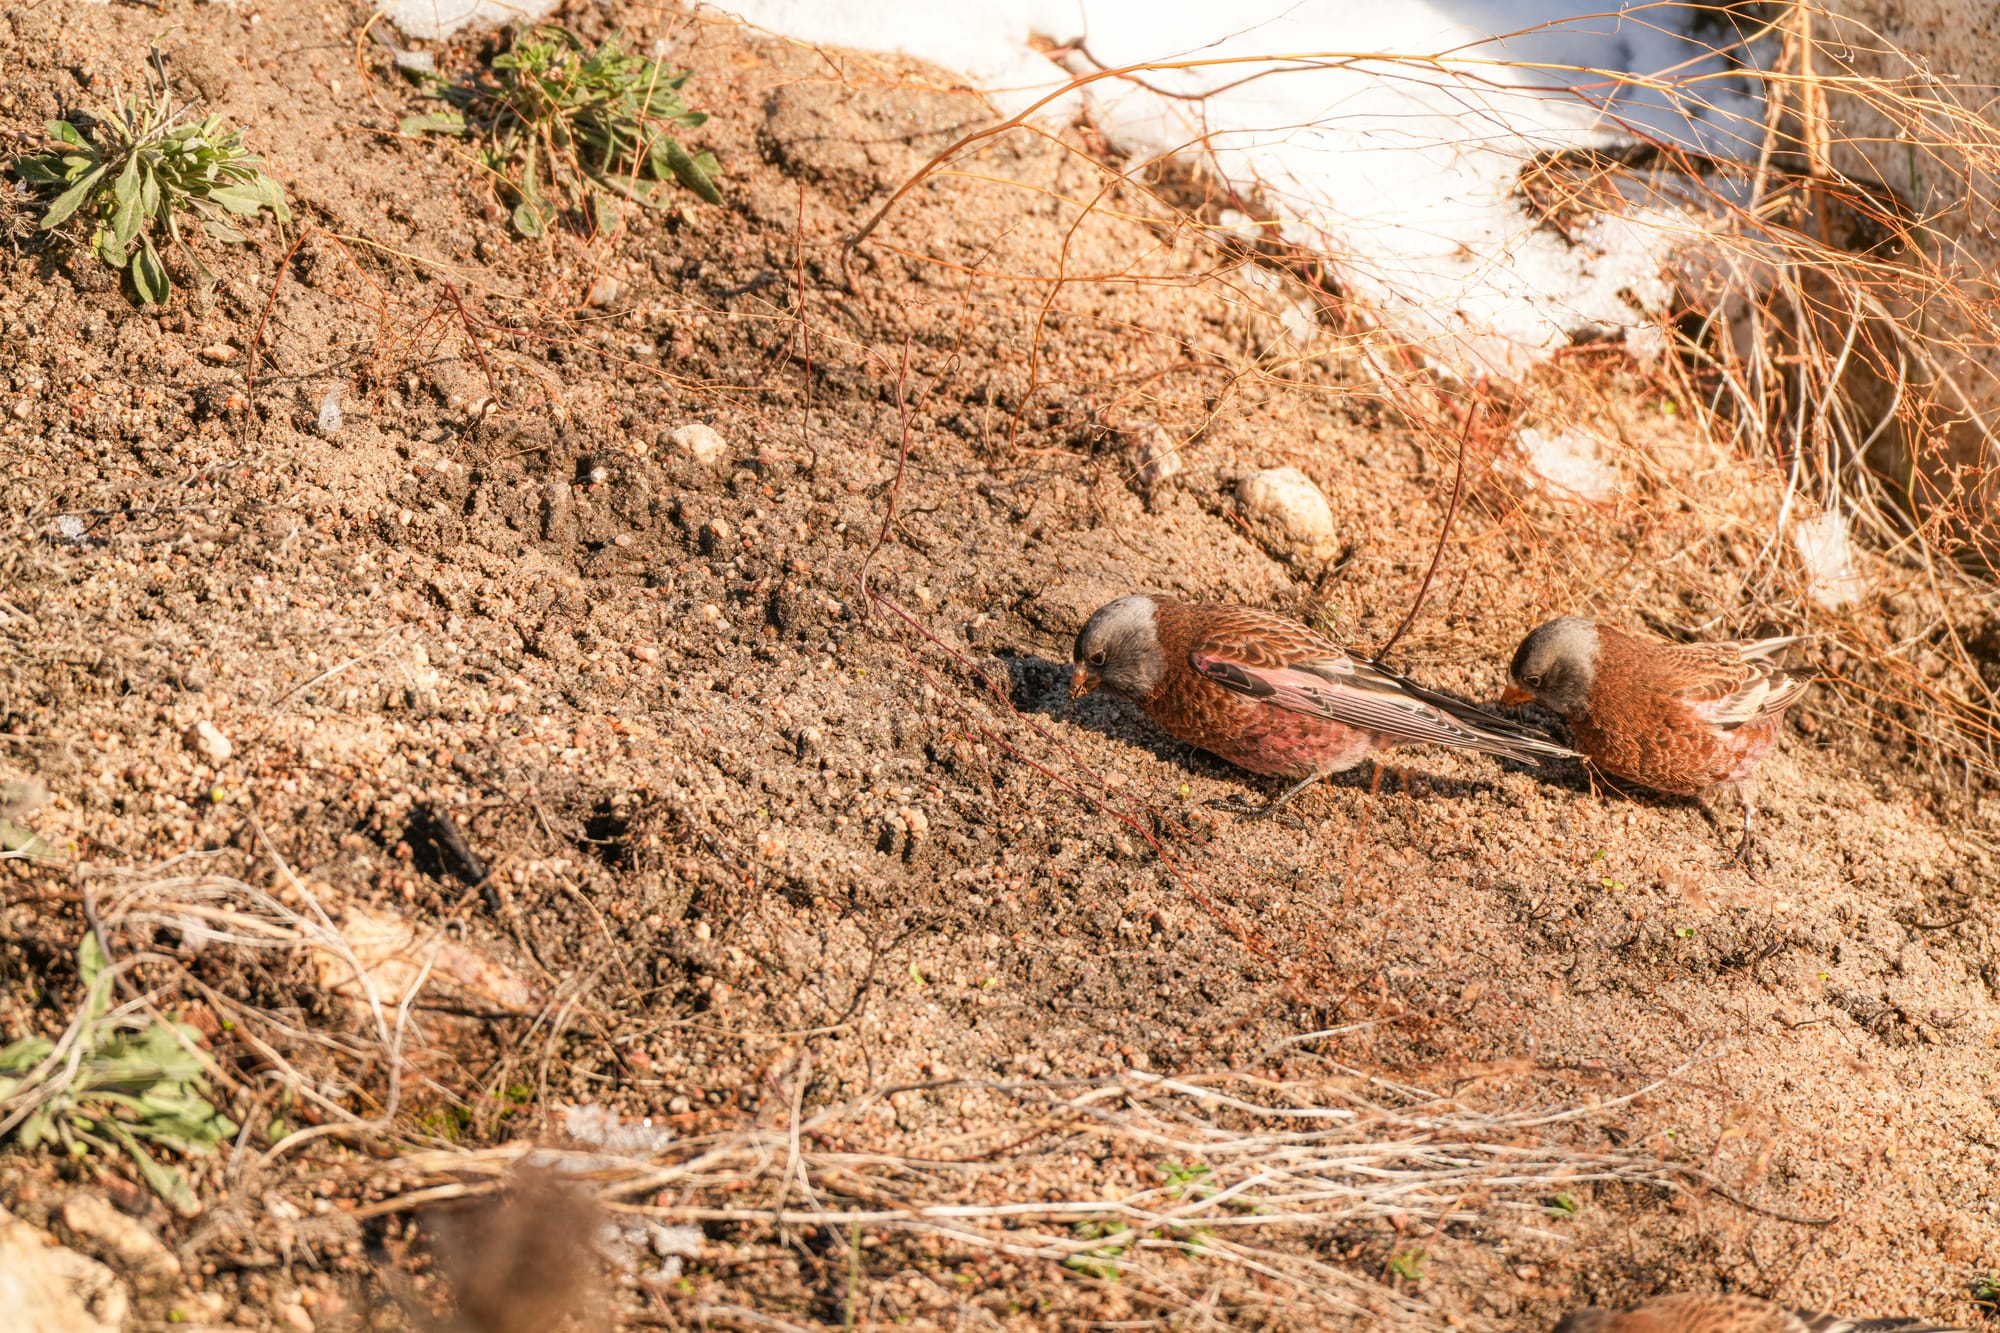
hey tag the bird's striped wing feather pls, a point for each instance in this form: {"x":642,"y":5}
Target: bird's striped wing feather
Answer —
{"x":1359,"y":694}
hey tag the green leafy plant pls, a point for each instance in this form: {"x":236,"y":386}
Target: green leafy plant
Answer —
{"x":565,"y":128}
{"x":117,"y":1084}
{"x":135,"y":169}
{"x":1564,"y":1205}
{"x":1408,"y":1265}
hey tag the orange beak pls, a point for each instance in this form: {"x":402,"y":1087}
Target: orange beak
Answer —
{"x":1082,"y":680}
{"x":1514,"y":694}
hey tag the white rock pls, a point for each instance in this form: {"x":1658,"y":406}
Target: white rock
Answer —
{"x":1158,"y":456}
{"x":1828,"y":554}
{"x":699,"y":442}
{"x":206,"y":739}
{"x":47,"y":1288}
{"x":430,"y":20}
{"x":329,"y":411}
{"x":1289,"y":514}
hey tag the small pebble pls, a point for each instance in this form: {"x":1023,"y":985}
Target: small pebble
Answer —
{"x":218,"y":353}
{"x":1289,"y":513}
{"x":206,"y":739}
{"x":699,"y":442}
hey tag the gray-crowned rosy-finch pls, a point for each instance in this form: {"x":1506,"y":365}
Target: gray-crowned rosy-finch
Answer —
{"x":1676,"y":717}
{"x":1269,"y":695}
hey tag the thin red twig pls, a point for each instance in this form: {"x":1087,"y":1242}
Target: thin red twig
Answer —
{"x":1444,"y":534}
{"x":895,"y":489}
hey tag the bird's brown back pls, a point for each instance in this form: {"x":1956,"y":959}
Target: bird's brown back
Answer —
{"x":1641,"y":724}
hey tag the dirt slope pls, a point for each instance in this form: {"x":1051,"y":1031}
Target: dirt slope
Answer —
{"x":760,"y":843}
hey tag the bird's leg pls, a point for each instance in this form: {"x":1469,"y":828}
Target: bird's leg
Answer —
{"x":1746,"y":792}
{"x":1590,"y":776}
{"x":1275,"y":805}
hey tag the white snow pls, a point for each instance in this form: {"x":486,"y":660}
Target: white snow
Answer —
{"x":432,"y":20}
{"x":1569,"y":460}
{"x":1384,"y":135}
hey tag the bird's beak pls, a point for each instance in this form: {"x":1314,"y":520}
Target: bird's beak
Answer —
{"x":1082,"y":680}
{"x":1514,"y":694}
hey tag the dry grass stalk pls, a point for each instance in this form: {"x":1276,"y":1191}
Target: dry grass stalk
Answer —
{"x":1242,"y":1169}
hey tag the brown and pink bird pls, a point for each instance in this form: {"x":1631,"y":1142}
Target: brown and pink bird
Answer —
{"x":1675,"y":717}
{"x":1269,"y":695}
{"x":1690,"y":1313}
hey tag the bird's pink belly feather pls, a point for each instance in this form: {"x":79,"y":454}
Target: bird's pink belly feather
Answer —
{"x":1266,"y":739}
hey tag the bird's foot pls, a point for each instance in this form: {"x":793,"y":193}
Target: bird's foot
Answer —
{"x":1741,"y":857}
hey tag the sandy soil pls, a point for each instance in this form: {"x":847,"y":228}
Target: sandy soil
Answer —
{"x":782,"y":803}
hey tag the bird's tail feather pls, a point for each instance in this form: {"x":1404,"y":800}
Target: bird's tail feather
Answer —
{"x":1488,"y":733}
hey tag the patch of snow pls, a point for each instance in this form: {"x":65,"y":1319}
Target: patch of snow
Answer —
{"x":1389,"y":137}
{"x":1826,"y":546}
{"x":433,"y":20}
{"x":1569,"y":460}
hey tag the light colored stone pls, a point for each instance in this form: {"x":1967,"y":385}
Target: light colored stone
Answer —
{"x":395,"y":959}
{"x":1289,"y":515}
{"x":206,"y":739}
{"x":48,"y":1288}
{"x":1157,"y":460}
{"x":124,"y":1242}
{"x":699,"y":442}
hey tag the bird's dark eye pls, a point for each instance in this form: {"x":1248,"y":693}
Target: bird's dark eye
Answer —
{"x":1097,"y":658}
{"x":1532,"y":682}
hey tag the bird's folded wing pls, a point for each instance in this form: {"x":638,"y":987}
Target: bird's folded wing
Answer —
{"x":1358,"y":694}
{"x":1748,"y":692}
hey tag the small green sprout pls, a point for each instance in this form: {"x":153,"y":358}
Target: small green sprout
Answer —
{"x":1408,"y":1265}
{"x":1100,"y":1261}
{"x":136,"y":170}
{"x":1685,"y":932}
{"x":1564,"y":1205}
{"x":563,"y":128}
{"x":1188,"y":1181}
